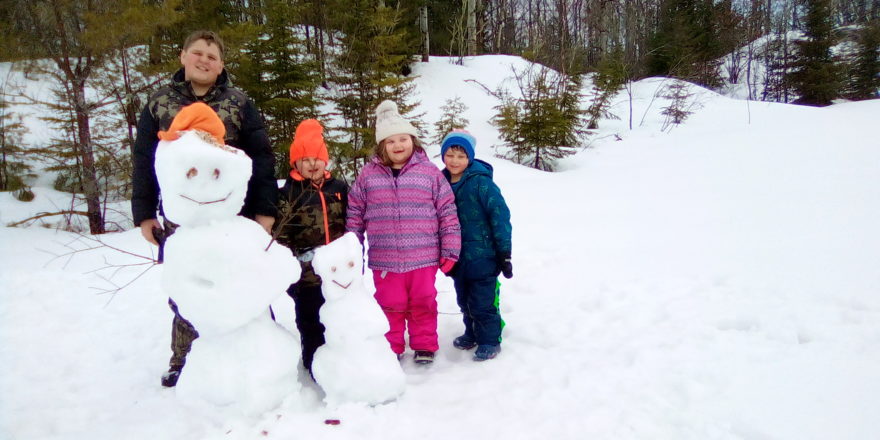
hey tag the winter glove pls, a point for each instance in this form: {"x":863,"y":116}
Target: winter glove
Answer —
{"x":159,"y":235}
{"x":505,"y":266}
{"x":447,"y":266}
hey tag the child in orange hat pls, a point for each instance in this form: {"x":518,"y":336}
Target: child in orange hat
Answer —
{"x":312,"y":213}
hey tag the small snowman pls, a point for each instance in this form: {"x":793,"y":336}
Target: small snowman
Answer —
{"x":222,"y":273}
{"x":355,"y":365}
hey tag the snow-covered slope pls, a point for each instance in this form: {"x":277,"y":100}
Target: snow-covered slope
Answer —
{"x":714,"y":281}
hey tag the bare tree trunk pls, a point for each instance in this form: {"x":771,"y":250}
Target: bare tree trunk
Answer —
{"x":87,"y":157}
{"x":75,"y":77}
{"x":423,"y":24}
{"x":472,"y":26}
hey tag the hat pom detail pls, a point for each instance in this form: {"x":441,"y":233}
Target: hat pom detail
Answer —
{"x":385,"y":107}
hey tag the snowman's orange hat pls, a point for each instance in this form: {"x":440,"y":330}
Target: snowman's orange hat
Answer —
{"x":196,"y":116}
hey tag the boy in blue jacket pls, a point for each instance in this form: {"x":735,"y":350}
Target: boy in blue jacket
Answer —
{"x":485,"y":244}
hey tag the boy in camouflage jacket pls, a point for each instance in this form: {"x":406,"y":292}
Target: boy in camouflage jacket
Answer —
{"x":202,"y":78}
{"x":485,"y":245}
{"x":312,"y":213}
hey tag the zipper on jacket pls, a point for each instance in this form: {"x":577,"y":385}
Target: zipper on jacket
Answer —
{"x":324,"y":210}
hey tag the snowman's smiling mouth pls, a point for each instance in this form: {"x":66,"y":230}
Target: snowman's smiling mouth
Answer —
{"x":340,"y":285}
{"x":209,"y":202}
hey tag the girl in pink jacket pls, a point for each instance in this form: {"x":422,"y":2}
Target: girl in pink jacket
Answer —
{"x":407,"y":209}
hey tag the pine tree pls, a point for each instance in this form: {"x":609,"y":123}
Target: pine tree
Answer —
{"x":13,"y":169}
{"x":777,"y":59}
{"x":278,"y":75}
{"x":451,"y":118}
{"x":679,"y":107}
{"x":686,"y":44}
{"x":544,"y":124}
{"x":865,"y":74}
{"x":76,"y":37}
{"x":816,"y":77}
{"x":609,"y":78}
{"x":373,"y":49}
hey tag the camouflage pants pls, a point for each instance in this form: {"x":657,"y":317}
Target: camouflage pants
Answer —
{"x":182,"y":331}
{"x":182,"y":336}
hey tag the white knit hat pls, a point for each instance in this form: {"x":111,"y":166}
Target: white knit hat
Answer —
{"x":389,"y":122}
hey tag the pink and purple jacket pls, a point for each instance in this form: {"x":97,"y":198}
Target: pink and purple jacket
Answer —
{"x":410,"y":220}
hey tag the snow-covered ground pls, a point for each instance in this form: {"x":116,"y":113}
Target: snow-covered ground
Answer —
{"x":713,"y":281}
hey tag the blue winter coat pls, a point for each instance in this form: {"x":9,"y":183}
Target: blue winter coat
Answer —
{"x":484,"y":219}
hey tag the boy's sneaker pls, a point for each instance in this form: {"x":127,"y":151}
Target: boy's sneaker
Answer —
{"x":486,"y":352}
{"x":423,"y":357}
{"x":169,"y":379}
{"x":464,"y":342}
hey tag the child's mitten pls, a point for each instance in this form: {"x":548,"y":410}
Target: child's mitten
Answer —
{"x":447,"y":266}
{"x":505,"y":266}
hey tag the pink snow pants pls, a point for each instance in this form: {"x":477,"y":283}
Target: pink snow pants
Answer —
{"x":409,"y":299}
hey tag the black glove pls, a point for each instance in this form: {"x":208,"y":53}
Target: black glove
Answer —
{"x":505,"y":266}
{"x":160,"y":235}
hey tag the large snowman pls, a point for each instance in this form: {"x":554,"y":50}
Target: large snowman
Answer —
{"x":222,"y":273}
{"x":355,"y":364}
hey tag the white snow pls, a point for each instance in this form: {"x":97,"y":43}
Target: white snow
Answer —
{"x":717,"y":280}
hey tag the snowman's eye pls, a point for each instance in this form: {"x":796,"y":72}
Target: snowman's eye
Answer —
{"x":193,"y":172}
{"x":351,"y":264}
{"x":216,"y":174}
{"x":333,"y":269}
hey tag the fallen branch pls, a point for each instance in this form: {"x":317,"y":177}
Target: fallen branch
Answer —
{"x":89,"y":243}
{"x":47,"y":214}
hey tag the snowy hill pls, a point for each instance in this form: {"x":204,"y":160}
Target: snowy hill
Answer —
{"x":713,"y":281}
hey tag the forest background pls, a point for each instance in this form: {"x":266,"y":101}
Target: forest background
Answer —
{"x":337,"y":59}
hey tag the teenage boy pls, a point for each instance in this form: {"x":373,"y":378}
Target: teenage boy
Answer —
{"x":202,"y":77}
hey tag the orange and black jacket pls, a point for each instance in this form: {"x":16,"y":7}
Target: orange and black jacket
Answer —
{"x":310,"y":216}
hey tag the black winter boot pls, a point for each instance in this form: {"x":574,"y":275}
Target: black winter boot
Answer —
{"x":169,"y":379}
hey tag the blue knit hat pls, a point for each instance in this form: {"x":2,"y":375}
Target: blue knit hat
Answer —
{"x":459,"y":138}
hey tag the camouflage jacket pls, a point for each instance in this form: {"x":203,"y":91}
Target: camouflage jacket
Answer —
{"x":244,"y":130}
{"x":309,"y":217}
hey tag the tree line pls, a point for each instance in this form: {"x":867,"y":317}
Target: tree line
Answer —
{"x":292,"y":56}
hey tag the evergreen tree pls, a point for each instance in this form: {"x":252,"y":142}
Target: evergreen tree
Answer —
{"x":679,"y":107}
{"x":816,"y":77}
{"x":686,"y":44}
{"x":545,"y":123}
{"x":372,"y":50}
{"x":609,"y":78}
{"x":13,"y":169}
{"x":279,"y":76}
{"x":865,"y":74}
{"x":777,"y":59}
{"x":77,"y":37}
{"x":451,"y":118}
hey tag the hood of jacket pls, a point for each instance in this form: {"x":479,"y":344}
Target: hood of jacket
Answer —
{"x":477,"y":167}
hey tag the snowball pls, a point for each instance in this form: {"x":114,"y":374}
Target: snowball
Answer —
{"x":249,"y":371}
{"x":221,"y":276}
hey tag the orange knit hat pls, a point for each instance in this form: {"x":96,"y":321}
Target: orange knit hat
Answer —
{"x":196,"y":116}
{"x":308,"y":141}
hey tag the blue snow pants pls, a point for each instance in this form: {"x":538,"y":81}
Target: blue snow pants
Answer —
{"x":478,"y":300}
